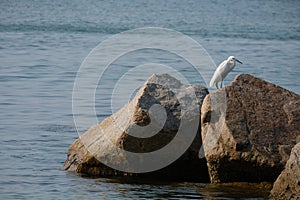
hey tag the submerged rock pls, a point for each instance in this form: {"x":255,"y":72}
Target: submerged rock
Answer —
{"x":248,"y":130}
{"x":287,"y":185}
{"x":160,"y":125}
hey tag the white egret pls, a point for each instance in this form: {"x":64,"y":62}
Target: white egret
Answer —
{"x":222,"y":70}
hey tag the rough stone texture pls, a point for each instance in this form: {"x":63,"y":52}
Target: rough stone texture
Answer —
{"x":248,"y":130}
{"x":161,"y":109}
{"x":287,"y":185}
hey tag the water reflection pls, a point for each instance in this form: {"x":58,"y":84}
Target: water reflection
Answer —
{"x":144,"y":189}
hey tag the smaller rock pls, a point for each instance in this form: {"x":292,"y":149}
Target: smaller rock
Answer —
{"x":287,"y":185}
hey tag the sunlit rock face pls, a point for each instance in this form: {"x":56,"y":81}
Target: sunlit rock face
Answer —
{"x":163,"y":113}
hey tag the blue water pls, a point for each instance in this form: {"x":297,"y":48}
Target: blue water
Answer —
{"x":43,"y":43}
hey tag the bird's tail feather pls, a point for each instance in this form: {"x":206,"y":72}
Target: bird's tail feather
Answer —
{"x":211,"y":83}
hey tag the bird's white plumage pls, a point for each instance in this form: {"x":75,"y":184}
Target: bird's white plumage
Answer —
{"x":222,"y":70}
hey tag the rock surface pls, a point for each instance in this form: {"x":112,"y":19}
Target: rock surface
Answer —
{"x":248,"y":130}
{"x":287,"y":185}
{"x":159,"y":125}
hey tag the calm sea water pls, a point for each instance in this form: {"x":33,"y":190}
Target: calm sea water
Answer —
{"x":43,"y":43}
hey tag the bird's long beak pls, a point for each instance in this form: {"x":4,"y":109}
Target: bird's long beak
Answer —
{"x":238,"y":61}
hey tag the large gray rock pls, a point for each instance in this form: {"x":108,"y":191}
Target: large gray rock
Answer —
{"x":248,"y":130}
{"x":159,"y":125}
{"x":287,"y":185}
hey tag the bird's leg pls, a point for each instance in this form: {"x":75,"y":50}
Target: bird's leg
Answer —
{"x":221,"y":83}
{"x":217,"y":86}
